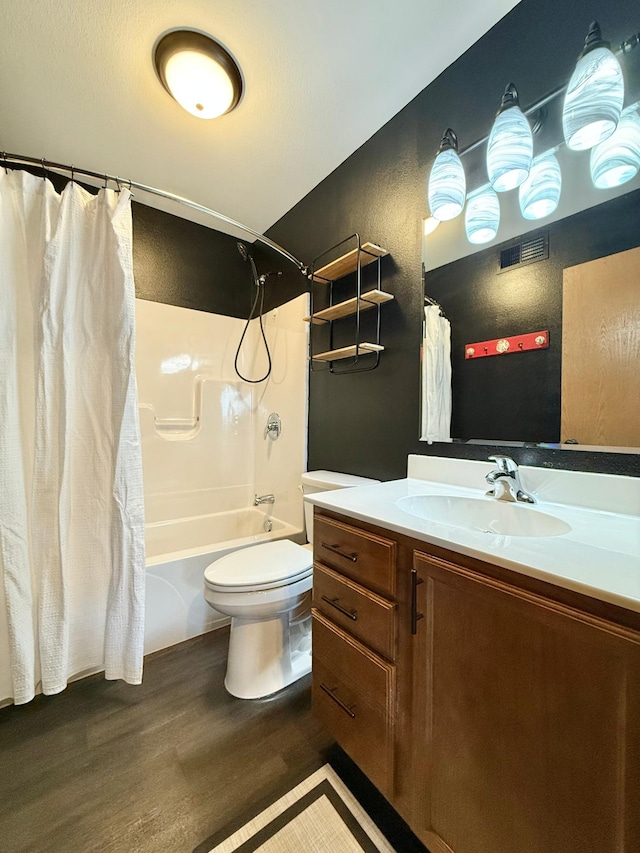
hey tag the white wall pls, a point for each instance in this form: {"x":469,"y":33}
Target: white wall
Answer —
{"x":185,"y":370}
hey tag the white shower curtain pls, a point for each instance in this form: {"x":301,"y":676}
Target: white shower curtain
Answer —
{"x":436,"y":376}
{"x":71,"y":500}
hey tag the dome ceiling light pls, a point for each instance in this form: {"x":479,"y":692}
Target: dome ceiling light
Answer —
{"x":595,"y":94}
{"x":198,"y":73}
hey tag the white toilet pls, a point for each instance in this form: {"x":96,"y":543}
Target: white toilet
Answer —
{"x":266,"y":589}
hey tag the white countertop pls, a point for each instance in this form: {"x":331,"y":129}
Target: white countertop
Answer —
{"x":599,"y":557}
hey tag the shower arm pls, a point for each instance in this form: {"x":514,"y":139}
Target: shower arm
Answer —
{"x":8,"y":159}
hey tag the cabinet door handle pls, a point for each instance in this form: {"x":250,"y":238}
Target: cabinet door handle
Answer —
{"x":415,"y":616}
{"x":350,"y":614}
{"x":336,"y":550}
{"x":330,"y":691}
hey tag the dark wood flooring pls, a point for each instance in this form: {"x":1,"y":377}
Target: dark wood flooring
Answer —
{"x":162,"y":767}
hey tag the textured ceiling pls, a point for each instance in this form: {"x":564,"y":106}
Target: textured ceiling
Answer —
{"x":77,"y":85}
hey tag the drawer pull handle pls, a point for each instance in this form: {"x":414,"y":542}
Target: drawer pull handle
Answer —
{"x":330,"y":691}
{"x":350,"y":614}
{"x":336,"y":550}
{"x":415,"y":616}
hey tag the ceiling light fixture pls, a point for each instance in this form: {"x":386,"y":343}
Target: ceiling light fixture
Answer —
{"x":595,"y":94}
{"x":617,"y":160}
{"x":447,"y":184}
{"x":539,"y":196}
{"x":510,"y":147}
{"x":482,"y":216}
{"x":198,"y":73}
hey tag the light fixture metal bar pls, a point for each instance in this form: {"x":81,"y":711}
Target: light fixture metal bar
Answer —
{"x":75,"y":170}
{"x":626,"y":47}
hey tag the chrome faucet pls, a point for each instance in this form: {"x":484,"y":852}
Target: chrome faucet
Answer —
{"x":264,"y":499}
{"x":505,"y":481}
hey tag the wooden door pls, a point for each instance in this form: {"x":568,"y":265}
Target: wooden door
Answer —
{"x":528,"y":722}
{"x":601,"y":351}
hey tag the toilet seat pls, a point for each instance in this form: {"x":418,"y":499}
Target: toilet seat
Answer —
{"x":260,"y":567}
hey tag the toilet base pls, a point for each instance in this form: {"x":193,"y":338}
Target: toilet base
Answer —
{"x":266,"y":655}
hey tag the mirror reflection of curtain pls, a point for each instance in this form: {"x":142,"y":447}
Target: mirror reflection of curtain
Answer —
{"x":436,"y":376}
{"x":71,"y":501}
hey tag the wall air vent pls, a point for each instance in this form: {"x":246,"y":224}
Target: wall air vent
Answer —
{"x":526,"y":252}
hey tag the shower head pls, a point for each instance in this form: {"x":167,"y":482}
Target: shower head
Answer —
{"x":243,"y":251}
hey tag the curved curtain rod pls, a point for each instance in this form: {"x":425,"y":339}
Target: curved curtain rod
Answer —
{"x":74,"y":170}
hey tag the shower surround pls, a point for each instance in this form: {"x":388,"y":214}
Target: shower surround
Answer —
{"x":205,"y":454}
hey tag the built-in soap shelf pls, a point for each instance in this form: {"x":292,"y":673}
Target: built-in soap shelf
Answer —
{"x":173,"y":429}
{"x":182,"y":429}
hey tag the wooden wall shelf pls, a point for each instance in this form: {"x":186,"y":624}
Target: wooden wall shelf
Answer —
{"x":328,"y":276}
{"x":347,"y":352}
{"x":345,"y":264}
{"x":350,"y":306}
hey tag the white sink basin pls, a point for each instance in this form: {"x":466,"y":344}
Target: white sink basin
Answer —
{"x":484,"y":515}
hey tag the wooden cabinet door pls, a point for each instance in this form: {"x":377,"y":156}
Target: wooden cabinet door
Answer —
{"x":527,"y":730}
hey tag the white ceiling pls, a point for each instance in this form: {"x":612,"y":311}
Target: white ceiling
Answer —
{"x":77,"y":85}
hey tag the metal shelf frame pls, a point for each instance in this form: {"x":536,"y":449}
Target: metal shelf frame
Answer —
{"x":373,"y":355}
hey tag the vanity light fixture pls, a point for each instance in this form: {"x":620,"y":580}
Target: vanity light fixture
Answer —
{"x":539,"y":195}
{"x":617,"y":160}
{"x":198,"y":73}
{"x":430,"y":225}
{"x":595,"y":94}
{"x":482,"y":215}
{"x":447,"y":183}
{"x":510,"y":146}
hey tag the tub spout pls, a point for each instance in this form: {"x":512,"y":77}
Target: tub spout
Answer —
{"x":264,"y":499}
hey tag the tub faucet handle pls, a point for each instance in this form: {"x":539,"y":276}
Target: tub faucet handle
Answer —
{"x":273,"y":427}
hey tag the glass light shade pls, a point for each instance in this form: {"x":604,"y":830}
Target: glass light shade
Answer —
{"x":617,"y":160}
{"x":199,"y":84}
{"x":593,"y":101}
{"x":447,"y":186}
{"x":198,"y":72}
{"x":510,"y":150}
{"x":540,"y":194}
{"x":482,"y":216}
{"x":430,"y":225}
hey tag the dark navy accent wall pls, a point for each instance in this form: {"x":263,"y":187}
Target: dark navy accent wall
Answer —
{"x":367,"y":424}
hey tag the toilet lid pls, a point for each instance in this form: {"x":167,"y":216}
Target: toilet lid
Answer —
{"x":268,"y":563}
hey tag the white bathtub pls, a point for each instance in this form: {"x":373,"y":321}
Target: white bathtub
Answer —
{"x":178,"y":552}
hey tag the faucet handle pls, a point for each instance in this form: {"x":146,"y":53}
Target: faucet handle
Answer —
{"x":505,"y":464}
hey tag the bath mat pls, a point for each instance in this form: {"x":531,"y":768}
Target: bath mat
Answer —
{"x":319,"y":815}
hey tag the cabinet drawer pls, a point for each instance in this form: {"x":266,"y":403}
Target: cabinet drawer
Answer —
{"x":354,"y":695}
{"x":362,"y":556}
{"x":362,"y":613}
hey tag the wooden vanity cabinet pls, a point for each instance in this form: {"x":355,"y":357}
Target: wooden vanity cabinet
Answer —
{"x":360,"y":668}
{"x":497,"y":713}
{"x":526,"y":718}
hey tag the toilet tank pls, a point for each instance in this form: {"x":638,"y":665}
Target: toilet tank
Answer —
{"x":326,"y":481}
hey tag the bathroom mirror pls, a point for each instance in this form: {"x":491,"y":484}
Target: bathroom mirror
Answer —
{"x":577,"y":283}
